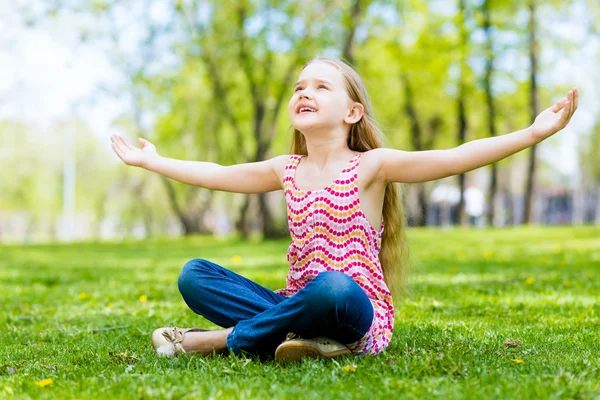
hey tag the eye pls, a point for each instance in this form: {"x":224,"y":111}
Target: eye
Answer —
{"x":297,"y":88}
{"x":322,"y":86}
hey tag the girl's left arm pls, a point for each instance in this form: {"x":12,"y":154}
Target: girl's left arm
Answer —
{"x":423,"y":166}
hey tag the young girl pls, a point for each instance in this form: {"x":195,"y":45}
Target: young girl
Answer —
{"x":346,"y":222}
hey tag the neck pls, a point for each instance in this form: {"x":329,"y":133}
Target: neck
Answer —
{"x":327,"y":149}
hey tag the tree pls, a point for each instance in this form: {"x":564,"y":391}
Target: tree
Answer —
{"x":226,"y":48}
{"x":491,"y":110}
{"x":410,"y":62}
{"x":534,"y":109}
{"x":460,"y":101}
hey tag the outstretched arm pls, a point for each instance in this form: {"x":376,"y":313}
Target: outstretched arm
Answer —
{"x":423,"y":166}
{"x":256,"y":177}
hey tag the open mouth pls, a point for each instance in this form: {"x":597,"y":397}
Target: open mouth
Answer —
{"x":304,"y":109}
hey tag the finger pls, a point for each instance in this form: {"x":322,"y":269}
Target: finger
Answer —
{"x":566,"y":113}
{"x":576,"y":99}
{"x":571,"y":106}
{"x":567,"y":107}
{"x":114,"y":138}
{"x":126,"y":143}
{"x":117,"y":151}
{"x":559,"y":104}
{"x":119,"y":145}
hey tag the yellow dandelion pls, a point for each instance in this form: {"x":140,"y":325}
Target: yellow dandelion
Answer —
{"x":110,"y":305}
{"x":236,"y":260}
{"x":350,"y":368}
{"x":27,"y":306}
{"x":566,"y":283}
{"x":143,"y":298}
{"x":517,"y":361}
{"x":529,"y":281}
{"x":44,"y":382}
{"x":83,"y":295}
{"x":488,"y":255}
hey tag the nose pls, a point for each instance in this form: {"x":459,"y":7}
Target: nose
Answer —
{"x":303,"y":94}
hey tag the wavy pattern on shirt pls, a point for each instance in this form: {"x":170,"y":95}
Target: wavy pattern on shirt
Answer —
{"x":330,"y":232}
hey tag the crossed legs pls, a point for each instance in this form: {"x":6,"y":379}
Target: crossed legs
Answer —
{"x":257,"y":320}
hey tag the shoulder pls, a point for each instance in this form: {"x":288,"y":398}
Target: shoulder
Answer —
{"x":371,"y":163}
{"x":278,"y":165}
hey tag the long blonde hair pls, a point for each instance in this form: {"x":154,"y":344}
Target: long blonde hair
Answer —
{"x":363,"y":136}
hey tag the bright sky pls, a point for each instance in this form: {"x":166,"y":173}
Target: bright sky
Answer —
{"x":47,"y":75}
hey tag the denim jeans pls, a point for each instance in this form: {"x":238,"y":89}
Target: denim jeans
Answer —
{"x":331,"y":305}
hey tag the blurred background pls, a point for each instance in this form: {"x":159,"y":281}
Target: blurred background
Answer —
{"x":210,"y":81}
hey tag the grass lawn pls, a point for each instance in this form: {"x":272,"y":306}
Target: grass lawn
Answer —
{"x":511,"y":313}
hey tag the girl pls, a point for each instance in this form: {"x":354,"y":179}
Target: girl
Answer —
{"x":348,"y":248}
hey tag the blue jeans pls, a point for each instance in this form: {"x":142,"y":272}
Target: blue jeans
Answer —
{"x":331,"y":305}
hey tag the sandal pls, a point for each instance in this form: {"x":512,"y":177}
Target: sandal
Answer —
{"x":294,"y":348}
{"x":167,"y":341}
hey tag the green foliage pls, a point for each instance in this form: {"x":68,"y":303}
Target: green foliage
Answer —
{"x":418,"y":40}
{"x":493,"y":314}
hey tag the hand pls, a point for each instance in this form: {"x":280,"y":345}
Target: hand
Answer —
{"x":131,"y":155}
{"x":551,"y":120}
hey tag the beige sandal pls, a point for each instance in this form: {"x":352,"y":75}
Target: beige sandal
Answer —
{"x":167,"y":341}
{"x":294,"y":348}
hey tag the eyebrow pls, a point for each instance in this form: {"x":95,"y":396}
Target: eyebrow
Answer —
{"x":318,"y":80}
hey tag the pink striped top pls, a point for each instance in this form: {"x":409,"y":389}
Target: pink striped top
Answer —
{"x":330,"y":232}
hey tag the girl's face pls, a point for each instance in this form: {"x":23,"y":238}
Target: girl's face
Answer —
{"x":320,"y":87}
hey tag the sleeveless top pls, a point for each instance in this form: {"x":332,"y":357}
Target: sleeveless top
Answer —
{"x":330,"y":232}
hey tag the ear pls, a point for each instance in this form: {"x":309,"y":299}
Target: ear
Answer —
{"x":355,"y":114}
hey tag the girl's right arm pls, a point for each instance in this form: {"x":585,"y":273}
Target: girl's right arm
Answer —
{"x":257,"y":177}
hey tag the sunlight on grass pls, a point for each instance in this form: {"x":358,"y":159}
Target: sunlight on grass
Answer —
{"x":490,"y":314}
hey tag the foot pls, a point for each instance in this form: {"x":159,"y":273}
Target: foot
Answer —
{"x":294,"y":349}
{"x":172,"y":341}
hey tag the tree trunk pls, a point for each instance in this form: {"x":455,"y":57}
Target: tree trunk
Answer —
{"x":270,"y":229}
{"x":530,"y":190}
{"x":491,"y":111}
{"x":192,"y":222}
{"x":241,"y":224}
{"x":462,"y":117}
{"x":416,"y":134}
{"x":354,"y":20}
{"x":422,"y":204}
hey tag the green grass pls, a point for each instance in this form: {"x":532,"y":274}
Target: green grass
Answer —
{"x":471,"y":291}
